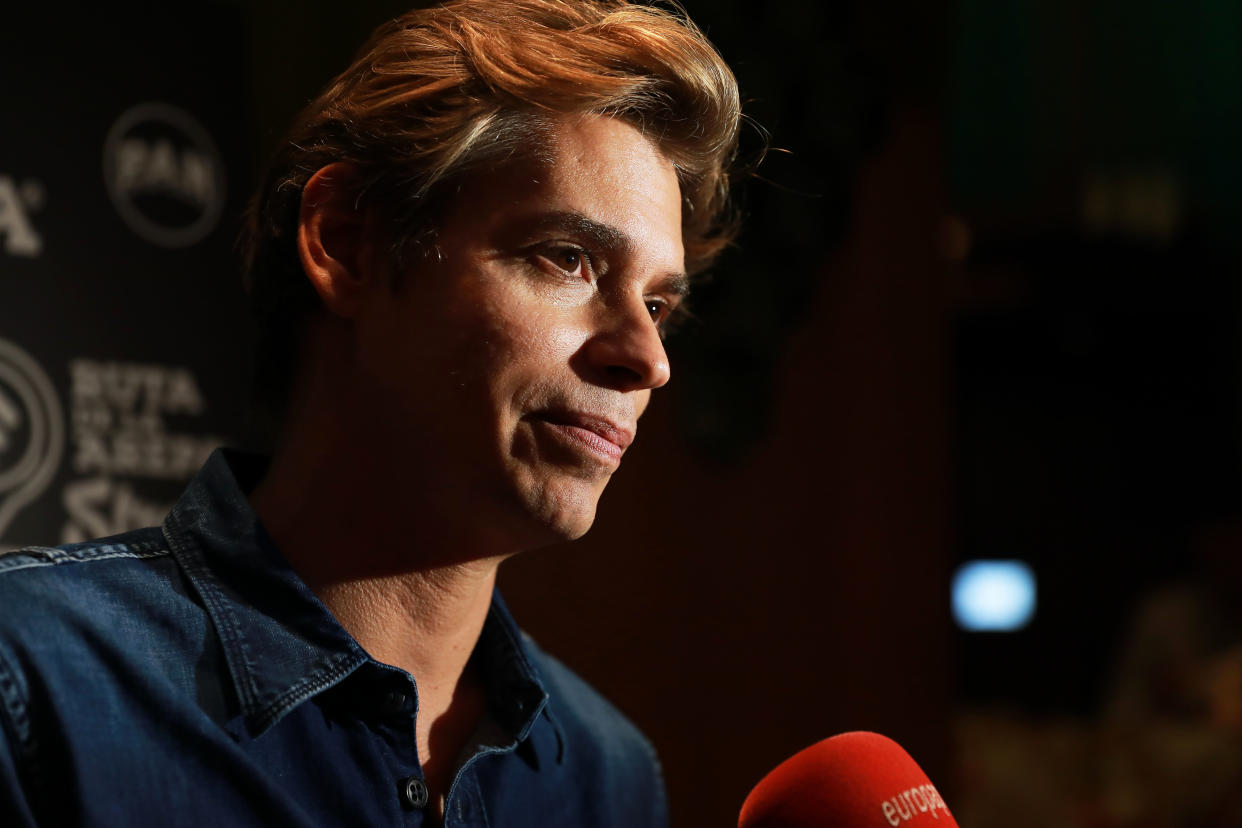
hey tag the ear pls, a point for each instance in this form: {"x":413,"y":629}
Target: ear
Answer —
{"x":330,"y":239}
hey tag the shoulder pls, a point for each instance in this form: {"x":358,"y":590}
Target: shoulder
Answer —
{"x":140,"y":544}
{"x":75,"y":612}
{"x":63,"y":608}
{"x":42,"y":586}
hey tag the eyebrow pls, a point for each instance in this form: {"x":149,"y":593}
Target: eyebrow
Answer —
{"x":608,"y":238}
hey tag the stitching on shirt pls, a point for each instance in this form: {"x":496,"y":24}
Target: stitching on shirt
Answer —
{"x":32,"y":557}
{"x":661,"y":793}
{"x":226,"y":624}
{"x":301,"y":691}
{"x":478,"y":798}
{"x":466,"y":804}
{"x":479,"y":803}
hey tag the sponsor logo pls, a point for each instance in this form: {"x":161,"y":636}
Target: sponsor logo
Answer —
{"x":119,"y":420}
{"x":908,"y":804}
{"x":128,"y":421}
{"x":32,"y":431}
{"x":164,"y":175}
{"x":17,"y":202}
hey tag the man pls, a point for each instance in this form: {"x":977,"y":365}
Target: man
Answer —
{"x":463,"y":259}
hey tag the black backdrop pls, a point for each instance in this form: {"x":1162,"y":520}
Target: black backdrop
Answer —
{"x":733,"y":642}
{"x":986,"y":305}
{"x":123,"y":166}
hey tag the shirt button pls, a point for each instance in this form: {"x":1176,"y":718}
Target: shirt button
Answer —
{"x":414,"y":792}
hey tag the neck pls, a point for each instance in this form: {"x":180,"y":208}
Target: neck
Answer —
{"x":406,"y":564}
{"x":406,"y":568}
{"x":391,"y":575}
{"x":392,"y":584}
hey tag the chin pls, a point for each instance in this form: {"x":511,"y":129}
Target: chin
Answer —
{"x":572,"y":530}
{"x":569,"y":524}
{"x":564,"y":513}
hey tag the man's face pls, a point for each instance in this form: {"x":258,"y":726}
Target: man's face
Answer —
{"x":512,"y":368}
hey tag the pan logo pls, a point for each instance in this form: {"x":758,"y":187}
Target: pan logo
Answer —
{"x":17,"y":233}
{"x":164,"y":175}
{"x":32,"y":431}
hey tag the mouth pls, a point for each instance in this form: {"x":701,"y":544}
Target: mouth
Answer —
{"x":596,"y":435}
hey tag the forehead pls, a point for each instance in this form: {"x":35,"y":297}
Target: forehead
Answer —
{"x":597,"y":167}
{"x":597,"y":149}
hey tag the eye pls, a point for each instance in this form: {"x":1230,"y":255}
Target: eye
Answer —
{"x":568,"y":259}
{"x":667,"y":314}
{"x":659,"y":309}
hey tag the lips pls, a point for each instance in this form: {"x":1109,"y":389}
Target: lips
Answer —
{"x":597,"y":434}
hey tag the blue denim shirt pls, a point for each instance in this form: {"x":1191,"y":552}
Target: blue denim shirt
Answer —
{"x":187,"y":676}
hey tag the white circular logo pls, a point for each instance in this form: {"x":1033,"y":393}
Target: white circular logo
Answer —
{"x":164,"y":175}
{"x":32,"y":431}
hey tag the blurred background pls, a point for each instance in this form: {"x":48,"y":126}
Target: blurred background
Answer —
{"x":951,"y":452}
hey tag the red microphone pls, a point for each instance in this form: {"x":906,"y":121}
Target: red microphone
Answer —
{"x":855,"y":780}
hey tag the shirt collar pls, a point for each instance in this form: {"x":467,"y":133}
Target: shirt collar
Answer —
{"x":282,"y":645}
{"x":515,"y":689}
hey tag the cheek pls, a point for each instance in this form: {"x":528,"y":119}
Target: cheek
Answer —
{"x":524,"y":325}
{"x":522,"y":348}
{"x":555,"y":338}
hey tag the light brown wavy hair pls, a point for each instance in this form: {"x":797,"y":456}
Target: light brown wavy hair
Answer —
{"x":440,"y":92}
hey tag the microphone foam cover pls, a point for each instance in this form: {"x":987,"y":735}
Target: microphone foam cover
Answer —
{"x":854,"y":780}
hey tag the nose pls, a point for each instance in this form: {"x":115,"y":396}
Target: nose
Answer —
{"x":625,"y":351}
